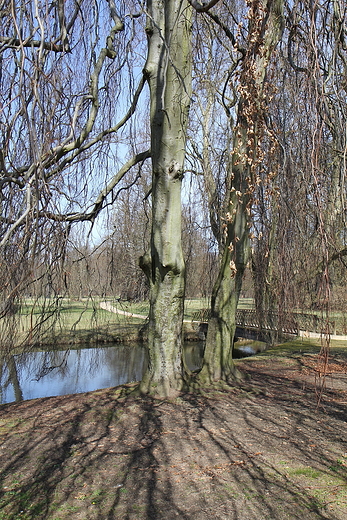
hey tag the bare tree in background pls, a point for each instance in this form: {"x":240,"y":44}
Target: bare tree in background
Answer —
{"x":300,"y":219}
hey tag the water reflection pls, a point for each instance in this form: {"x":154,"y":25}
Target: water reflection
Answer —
{"x":45,"y":374}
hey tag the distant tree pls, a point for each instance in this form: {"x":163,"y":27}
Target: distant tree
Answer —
{"x":300,"y":221}
{"x":200,"y":253}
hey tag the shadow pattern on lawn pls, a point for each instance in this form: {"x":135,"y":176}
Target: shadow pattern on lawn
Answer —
{"x":261,"y":450}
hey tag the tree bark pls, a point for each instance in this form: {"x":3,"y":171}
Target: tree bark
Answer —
{"x":265,"y":29}
{"x":218,"y":364}
{"x":168,"y":71}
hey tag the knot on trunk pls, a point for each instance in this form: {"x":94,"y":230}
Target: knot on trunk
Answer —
{"x":175,"y":170}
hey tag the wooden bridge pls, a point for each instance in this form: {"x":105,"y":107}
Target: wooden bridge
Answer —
{"x":255,"y":325}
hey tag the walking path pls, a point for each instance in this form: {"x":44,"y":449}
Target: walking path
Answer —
{"x":301,"y":333}
{"x":108,"y":307}
{"x":308,"y":334}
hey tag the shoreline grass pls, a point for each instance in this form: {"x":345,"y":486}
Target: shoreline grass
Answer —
{"x":65,"y":321}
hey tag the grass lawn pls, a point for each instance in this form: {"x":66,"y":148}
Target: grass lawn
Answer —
{"x":73,"y":321}
{"x":69,"y":321}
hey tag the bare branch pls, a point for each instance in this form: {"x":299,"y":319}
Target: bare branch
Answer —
{"x":290,"y":55}
{"x":98,"y":205}
{"x":226,"y":30}
{"x":21,"y":218}
{"x":78,"y":146}
{"x":61,"y":151}
{"x":114,"y":14}
{"x":18,"y":44}
{"x":62,"y":23}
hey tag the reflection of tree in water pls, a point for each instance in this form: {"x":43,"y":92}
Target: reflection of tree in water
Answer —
{"x":9,"y":374}
{"x":80,"y":360}
{"x":69,"y":371}
{"x":125,"y":361}
{"x":42,"y":363}
{"x":52,"y":363}
{"x":129,"y":361}
{"x":193,"y":354}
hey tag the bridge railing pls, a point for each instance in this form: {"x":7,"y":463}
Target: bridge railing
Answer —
{"x":201,"y":316}
{"x":269,"y":321}
{"x":285,"y":322}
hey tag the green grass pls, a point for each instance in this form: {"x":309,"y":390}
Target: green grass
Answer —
{"x":69,"y":321}
{"x":306,"y":472}
{"x":301,"y":346}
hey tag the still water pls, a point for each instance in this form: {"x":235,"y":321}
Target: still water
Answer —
{"x":45,"y":374}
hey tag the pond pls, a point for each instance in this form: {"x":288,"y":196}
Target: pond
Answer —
{"x":46,"y":374}
{"x":62,"y":372}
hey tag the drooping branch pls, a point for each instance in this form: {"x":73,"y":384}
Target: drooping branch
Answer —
{"x":76,"y":142}
{"x":226,"y":30}
{"x":294,"y":66}
{"x":77,"y":150}
{"x":205,"y":8}
{"x":114,"y":14}
{"x":98,"y":204}
{"x":15,"y":225}
{"x":81,"y":216}
{"x":16,"y":43}
{"x":77,"y":147}
{"x":62,"y":23}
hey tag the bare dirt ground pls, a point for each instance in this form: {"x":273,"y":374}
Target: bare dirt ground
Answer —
{"x":260,"y":450}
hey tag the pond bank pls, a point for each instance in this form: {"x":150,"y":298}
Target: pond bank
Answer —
{"x":105,"y":334}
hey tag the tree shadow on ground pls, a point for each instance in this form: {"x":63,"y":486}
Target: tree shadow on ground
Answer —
{"x":260,"y":450}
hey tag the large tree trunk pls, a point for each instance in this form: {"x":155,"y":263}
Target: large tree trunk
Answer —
{"x":218,"y":362}
{"x":168,"y":70}
{"x":265,"y":29}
